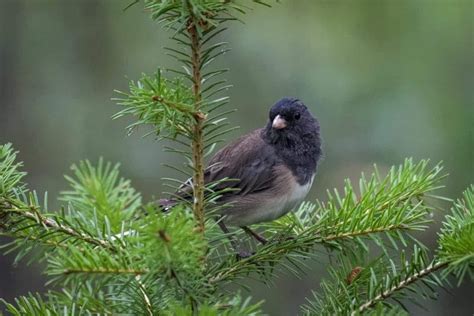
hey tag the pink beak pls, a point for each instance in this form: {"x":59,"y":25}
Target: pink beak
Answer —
{"x":278,"y":122}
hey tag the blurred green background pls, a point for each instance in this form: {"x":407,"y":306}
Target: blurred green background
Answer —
{"x":387,"y":79}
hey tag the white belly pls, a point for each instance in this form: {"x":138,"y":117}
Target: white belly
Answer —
{"x":272,"y":210}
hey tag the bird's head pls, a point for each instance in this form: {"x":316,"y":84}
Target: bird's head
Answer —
{"x":290,"y":119}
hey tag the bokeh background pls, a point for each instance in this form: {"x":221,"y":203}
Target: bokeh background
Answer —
{"x":387,"y":79}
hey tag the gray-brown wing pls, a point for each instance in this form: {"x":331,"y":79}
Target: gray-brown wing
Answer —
{"x":248,"y":164}
{"x":248,"y":161}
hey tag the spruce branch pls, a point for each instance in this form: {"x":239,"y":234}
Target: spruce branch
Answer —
{"x":103,"y":271}
{"x":389,"y":207}
{"x":39,"y":221}
{"x":358,"y":285}
{"x":99,"y":192}
{"x":81,"y":244}
{"x":165,"y":104}
{"x":10,"y":174}
{"x":34,"y":305}
{"x":456,"y":238}
{"x":99,"y":206}
{"x":69,"y":265}
{"x":417,"y":276}
{"x":378,"y":284}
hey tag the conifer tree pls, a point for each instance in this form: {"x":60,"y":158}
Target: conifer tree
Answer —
{"x":108,"y":252}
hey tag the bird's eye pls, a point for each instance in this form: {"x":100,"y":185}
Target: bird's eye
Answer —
{"x":297,"y":116}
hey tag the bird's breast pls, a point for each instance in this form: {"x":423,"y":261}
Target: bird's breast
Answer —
{"x":299,"y":191}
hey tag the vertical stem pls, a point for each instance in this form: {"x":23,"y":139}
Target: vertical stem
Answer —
{"x":198,"y":141}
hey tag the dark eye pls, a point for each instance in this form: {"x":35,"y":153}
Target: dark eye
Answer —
{"x":297,"y":116}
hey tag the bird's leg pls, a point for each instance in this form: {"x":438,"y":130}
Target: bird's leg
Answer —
{"x":255,"y":235}
{"x":226,"y":231}
{"x":241,"y":254}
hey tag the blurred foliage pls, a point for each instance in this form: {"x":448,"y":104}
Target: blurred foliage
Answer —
{"x":387,"y":79}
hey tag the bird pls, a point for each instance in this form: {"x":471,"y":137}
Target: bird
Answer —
{"x":272,"y":168}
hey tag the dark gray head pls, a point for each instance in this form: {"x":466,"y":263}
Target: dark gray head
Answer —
{"x":294,"y":133}
{"x":290,"y":118}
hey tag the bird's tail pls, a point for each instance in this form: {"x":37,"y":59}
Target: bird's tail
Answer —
{"x":166,"y":204}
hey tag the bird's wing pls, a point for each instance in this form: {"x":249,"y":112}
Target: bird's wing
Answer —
{"x":248,"y":163}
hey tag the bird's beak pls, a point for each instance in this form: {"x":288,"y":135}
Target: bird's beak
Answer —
{"x":278,"y":122}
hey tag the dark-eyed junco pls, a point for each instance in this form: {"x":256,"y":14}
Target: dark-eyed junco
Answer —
{"x":274,"y":167}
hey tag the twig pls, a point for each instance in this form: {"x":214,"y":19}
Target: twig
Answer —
{"x":105,"y":271}
{"x":145,"y":296}
{"x":364,"y":232}
{"x":175,"y":105}
{"x":413,"y":278}
{"x":33,"y":214}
